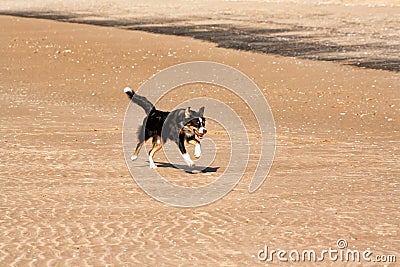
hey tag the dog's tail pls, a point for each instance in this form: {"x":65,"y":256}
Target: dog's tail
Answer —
{"x":140,"y":100}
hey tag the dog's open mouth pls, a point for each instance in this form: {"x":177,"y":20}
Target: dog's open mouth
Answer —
{"x":198,"y":134}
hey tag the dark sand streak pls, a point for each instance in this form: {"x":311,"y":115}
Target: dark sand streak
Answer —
{"x":283,"y":40}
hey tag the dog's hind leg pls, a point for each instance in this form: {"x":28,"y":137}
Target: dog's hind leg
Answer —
{"x":157,"y":145}
{"x":143,"y":137}
{"x":137,"y":150}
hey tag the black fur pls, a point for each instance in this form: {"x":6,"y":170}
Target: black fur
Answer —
{"x":180,"y":126}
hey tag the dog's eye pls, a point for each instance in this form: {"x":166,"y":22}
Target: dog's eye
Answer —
{"x":193,"y":123}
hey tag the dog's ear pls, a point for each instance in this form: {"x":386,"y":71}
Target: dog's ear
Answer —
{"x":201,"y":111}
{"x":187,"y":112}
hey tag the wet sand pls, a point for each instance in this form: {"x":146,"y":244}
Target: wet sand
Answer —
{"x":361,"y":33}
{"x":69,"y":200}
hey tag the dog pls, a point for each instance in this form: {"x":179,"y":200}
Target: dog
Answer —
{"x":181,"y":126}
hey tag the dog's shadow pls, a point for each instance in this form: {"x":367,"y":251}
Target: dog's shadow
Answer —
{"x":195,"y":169}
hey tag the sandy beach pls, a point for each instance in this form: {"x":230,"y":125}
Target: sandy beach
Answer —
{"x":68,"y":199}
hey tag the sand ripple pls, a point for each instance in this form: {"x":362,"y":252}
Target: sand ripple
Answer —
{"x":67,"y":198}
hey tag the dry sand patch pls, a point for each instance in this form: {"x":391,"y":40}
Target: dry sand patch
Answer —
{"x":68,"y":199}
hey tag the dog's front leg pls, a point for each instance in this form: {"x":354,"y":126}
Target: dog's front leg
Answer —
{"x":197,"y":148}
{"x":185,"y":155}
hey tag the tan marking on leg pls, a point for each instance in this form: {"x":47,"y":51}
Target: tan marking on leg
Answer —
{"x":193,"y":142}
{"x":155,"y":149}
{"x":138,"y":149}
{"x":157,"y":145}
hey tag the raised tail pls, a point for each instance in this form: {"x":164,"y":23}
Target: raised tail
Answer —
{"x":140,"y":100}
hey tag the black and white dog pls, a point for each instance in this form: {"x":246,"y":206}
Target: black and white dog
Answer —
{"x":180,"y":126}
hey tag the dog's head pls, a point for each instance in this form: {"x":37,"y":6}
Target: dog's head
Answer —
{"x":195,"y":123}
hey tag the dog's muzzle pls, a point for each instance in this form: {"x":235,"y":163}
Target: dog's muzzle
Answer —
{"x":201,"y":132}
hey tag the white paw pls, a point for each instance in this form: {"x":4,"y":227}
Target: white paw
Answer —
{"x":188,"y":160}
{"x":153,"y":166}
{"x":190,"y":163}
{"x":134,"y":157}
{"x":197,"y":151}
